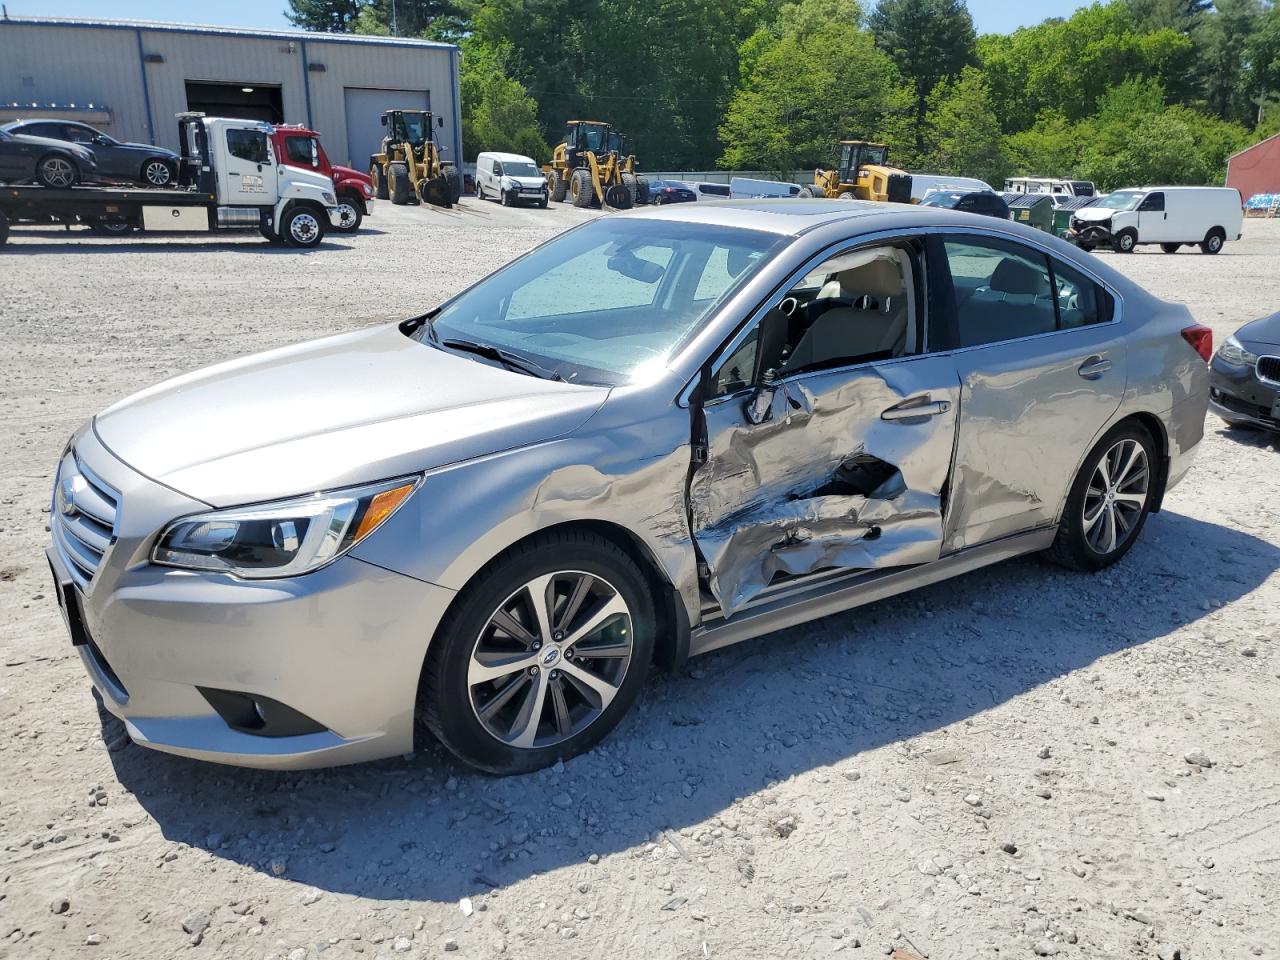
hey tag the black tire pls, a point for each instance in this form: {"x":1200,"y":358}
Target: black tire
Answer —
{"x":303,"y":227}
{"x":1086,"y":247}
{"x":269,"y":235}
{"x":504,"y":197}
{"x":1071,"y":547}
{"x":453,"y":184}
{"x":110,"y":228}
{"x":398,"y":184}
{"x":379,"y":181}
{"x":559,"y":186}
{"x":444,"y":697}
{"x":807,"y":193}
{"x":350,"y":214}
{"x":629,"y":181}
{"x":57,"y":172}
{"x":1126,"y":241}
{"x":847,"y":195}
{"x":158,"y":172}
{"x":1170,"y":247}
{"x":542,"y":204}
{"x":1213,"y":241}
{"x":581,"y":190}
{"x":4,"y":229}
{"x":643,"y":193}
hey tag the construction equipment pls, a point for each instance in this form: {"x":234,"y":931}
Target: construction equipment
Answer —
{"x":409,"y":168}
{"x":863,"y":174}
{"x":589,"y":168}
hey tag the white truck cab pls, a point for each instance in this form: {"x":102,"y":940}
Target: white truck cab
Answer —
{"x":232,"y":161}
{"x":1171,"y":216}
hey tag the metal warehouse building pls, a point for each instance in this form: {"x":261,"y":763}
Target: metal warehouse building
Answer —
{"x":129,"y":79}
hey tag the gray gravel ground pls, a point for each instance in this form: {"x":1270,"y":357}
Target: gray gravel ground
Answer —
{"x":1019,"y":762}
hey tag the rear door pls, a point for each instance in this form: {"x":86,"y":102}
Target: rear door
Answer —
{"x":844,"y":461}
{"x":1041,"y":361}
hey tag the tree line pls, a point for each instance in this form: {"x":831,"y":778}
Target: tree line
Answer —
{"x":1120,"y":92}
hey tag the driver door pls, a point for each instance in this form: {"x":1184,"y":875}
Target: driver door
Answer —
{"x":248,"y":178}
{"x":1153,"y":218}
{"x":841,"y":461}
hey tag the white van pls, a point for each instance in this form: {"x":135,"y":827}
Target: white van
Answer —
{"x":510,"y":179}
{"x":1169,"y":216}
{"x":1056,"y":188}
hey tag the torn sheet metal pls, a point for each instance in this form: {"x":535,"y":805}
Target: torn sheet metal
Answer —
{"x":779,"y":497}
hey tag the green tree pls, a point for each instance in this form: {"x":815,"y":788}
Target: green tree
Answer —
{"x":324,"y":16}
{"x":497,"y":111}
{"x":965,"y":135}
{"x":1221,"y":36}
{"x":1180,"y":15}
{"x":929,"y":40}
{"x":1263,"y":51}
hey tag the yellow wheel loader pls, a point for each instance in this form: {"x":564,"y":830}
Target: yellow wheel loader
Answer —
{"x":863,"y":174}
{"x":409,"y":168}
{"x":590,"y":169}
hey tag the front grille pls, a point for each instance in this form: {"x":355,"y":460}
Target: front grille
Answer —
{"x":1268,"y":368}
{"x":82,"y":519}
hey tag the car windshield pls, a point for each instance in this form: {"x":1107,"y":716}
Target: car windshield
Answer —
{"x":415,"y":127}
{"x":519,"y":168}
{"x":598,"y":304}
{"x":1121,"y":200}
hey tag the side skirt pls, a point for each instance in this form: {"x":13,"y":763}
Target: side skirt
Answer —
{"x":794,"y":604}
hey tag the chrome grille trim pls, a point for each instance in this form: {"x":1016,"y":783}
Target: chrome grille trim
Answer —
{"x":82,"y":519}
{"x":1268,"y":370}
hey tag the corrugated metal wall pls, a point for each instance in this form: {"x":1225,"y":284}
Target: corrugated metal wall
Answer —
{"x":103,"y":63}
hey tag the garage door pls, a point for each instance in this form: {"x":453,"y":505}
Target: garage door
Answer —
{"x":364,"y":118}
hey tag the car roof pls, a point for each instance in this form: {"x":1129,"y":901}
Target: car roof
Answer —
{"x":506,"y":156}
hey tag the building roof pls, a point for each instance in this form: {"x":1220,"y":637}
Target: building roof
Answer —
{"x":1253,"y":146}
{"x":211,"y":30}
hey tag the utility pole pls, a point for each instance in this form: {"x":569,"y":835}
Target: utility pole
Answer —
{"x":395,"y":29}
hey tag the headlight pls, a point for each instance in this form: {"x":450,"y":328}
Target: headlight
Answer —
{"x":281,"y":539}
{"x":507,"y":183}
{"x":329,"y":198}
{"x":368,"y":190}
{"x":1233,"y":351}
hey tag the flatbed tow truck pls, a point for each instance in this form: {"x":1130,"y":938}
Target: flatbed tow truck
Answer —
{"x":229,"y":179}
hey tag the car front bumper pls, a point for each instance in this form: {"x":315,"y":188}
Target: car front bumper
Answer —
{"x":1238,"y":395}
{"x":341,"y":648}
{"x":520,"y":196}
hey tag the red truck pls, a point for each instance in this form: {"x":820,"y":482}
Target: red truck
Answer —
{"x":297,"y":146}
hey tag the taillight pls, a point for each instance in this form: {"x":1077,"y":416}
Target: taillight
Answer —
{"x":1201,"y":339}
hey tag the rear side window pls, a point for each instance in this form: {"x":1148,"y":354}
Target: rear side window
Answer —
{"x":1080,"y":300}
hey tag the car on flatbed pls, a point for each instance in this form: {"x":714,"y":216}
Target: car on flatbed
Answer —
{"x":51,"y":163}
{"x":648,"y":438}
{"x":117,"y":161}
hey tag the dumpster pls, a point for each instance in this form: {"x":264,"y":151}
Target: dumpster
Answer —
{"x":1032,"y":209}
{"x":1062,"y":213}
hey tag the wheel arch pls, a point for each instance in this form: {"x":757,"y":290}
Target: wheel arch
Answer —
{"x":1155,"y":427}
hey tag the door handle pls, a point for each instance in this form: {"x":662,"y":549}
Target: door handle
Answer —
{"x":1094,"y":367}
{"x":915,"y":408}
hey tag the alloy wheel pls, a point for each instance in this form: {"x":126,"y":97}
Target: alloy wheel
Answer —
{"x":550,"y":659}
{"x":303,"y":228}
{"x":58,"y":172}
{"x":157,"y":173}
{"x":1116,"y":496}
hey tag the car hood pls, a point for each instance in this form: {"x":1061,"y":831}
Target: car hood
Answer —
{"x":1265,"y":331}
{"x":148,"y":148}
{"x":525,"y":181}
{"x":349,"y":173}
{"x":344,"y":410}
{"x":1094,"y":214}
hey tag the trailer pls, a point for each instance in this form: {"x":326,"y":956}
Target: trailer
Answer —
{"x":228,"y":180}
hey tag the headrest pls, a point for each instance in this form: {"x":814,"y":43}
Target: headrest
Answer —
{"x":877,"y":278}
{"x":1018,"y":277}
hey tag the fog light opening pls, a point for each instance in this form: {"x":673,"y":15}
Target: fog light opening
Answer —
{"x":259,"y":715}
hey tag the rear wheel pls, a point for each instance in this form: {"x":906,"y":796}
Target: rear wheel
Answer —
{"x":453,"y":184}
{"x":629,"y":181}
{"x":558,"y":186}
{"x":379,"y":182}
{"x":808,"y":193}
{"x":1109,"y":501}
{"x":581,"y":190}
{"x":1170,"y":247}
{"x":541,"y":655}
{"x":398,"y":184}
{"x":846,"y":195}
{"x":349,"y":215}
{"x":1213,"y":242}
{"x":158,"y":173}
{"x":57,"y":172}
{"x":642,"y":190}
{"x":303,"y":227}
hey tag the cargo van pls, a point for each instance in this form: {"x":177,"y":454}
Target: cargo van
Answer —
{"x":1171,"y":216}
{"x":510,"y":178}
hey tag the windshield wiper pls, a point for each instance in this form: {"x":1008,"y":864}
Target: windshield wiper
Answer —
{"x":506,"y":357}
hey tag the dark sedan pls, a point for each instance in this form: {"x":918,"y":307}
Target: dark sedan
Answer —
{"x":1244,"y":377}
{"x":670,"y":191}
{"x":141,"y":163}
{"x":980,"y":201}
{"x":53,"y":163}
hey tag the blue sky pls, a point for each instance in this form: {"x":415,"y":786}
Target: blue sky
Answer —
{"x":990,"y":16}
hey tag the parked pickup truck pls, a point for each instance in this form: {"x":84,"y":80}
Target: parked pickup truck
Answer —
{"x":228,"y":179}
{"x":297,"y":146}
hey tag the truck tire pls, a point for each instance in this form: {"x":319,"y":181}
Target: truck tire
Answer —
{"x":398,"y":185}
{"x":629,"y":181}
{"x":57,"y":171}
{"x":303,"y":227}
{"x":1125,"y":242}
{"x":453,"y":184}
{"x":581,"y":189}
{"x":847,"y":195}
{"x":1213,"y":241}
{"x":104,"y":227}
{"x":4,"y":228}
{"x":806,"y":193}
{"x":557,"y":185}
{"x":379,"y":181}
{"x":642,"y":190}
{"x":269,"y":235}
{"x":350,"y":214}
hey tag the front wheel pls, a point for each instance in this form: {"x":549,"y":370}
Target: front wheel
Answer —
{"x":1109,"y":501}
{"x":303,"y":228}
{"x":542,"y":655}
{"x":1125,"y":241}
{"x":57,"y":172}
{"x":349,"y":216}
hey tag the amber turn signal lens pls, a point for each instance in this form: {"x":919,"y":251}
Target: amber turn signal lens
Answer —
{"x":381,"y":507}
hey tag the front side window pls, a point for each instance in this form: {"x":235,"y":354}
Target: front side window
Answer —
{"x":302,"y":150}
{"x":1154,"y":203}
{"x":604,"y":300}
{"x":248,"y":145}
{"x":78,"y":134}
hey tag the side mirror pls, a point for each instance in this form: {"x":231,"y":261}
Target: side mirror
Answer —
{"x":100,"y":140}
{"x":439,"y":121}
{"x":759,"y":407}
{"x":384,"y":119}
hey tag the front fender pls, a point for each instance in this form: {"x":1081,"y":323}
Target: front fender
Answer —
{"x":307,"y":194}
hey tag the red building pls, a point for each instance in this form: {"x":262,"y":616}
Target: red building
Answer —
{"x":1256,"y":169}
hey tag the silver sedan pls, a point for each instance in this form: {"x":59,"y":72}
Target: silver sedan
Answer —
{"x":655,"y":435}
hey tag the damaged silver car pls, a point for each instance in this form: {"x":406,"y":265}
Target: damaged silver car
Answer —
{"x":655,"y":435}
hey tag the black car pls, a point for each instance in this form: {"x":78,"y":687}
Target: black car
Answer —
{"x":53,"y":163}
{"x":670,"y":191}
{"x":983,"y":202}
{"x":126,"y":162}
{"x":1244,"y":376}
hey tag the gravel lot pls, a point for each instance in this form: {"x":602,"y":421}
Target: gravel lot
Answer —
{"x":1018,"y":762}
